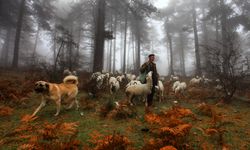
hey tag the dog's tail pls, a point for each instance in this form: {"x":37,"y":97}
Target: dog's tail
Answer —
{"x":71,"y":79}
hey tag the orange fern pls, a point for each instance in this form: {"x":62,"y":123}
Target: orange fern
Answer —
{"x":28,"y":118}
{"x":6,"y":111}
{"x":68,"y":128}
{"x":168,"y":148}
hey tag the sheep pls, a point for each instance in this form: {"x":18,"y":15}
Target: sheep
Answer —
{"x":112,"y":79}
{"x":106,"y":78}
{"x":174,"y":78}
{"x":217,"y":80}
{"x":180,"y":88}
{"x":175,"y":85}
{"x":114,"y":86}
{"x":133,"y":82}
{"x":160,"y":90}
{"x":195,"y":81}
{"x":120,"y":78}
{"x":95,"y":75}
{"x":206,"y":81}
{"x":67,"y":72}
{"x":130,"y":77}
{"x":137,"y":78}
{"x":99,"y":81}
{"x":219,"y":87}
{"x":140,"y":89}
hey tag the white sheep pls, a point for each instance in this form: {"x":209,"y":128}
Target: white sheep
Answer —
{"x":99,"y":81}
{"x":133,"y":82}
{"x":206,"y":81}
{"x":174,"y":78}
{"x":219,"y":87}
{"x":120,"y":78}
{"x":112,"y":79}
{"x":140,"y":89}
{"x":195,"y":81}
{"x":160,"y":90}
{"x":95,"y":75}
{"x":175,"y":85}
{"x":114,"y":86}
{"x":180,"y":88}
{"x":130,"y":77}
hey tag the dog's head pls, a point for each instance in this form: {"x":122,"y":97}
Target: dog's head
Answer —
{"x":41,"y":87}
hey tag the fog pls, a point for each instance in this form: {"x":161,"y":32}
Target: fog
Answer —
{"x":144,"y":26}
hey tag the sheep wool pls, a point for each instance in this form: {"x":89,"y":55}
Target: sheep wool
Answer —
{"x":140,"y":89}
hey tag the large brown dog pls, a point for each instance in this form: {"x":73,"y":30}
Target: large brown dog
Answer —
{"x":56,"y":92}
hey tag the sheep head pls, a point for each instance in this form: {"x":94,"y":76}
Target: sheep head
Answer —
{"x":149,"y":76}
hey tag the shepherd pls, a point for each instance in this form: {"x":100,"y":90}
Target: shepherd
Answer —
{"x":144,"y":69}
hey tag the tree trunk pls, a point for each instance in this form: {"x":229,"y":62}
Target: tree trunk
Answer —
{"x":70,"y":49}
{"x":114,"y":48}
{"x":196,"y":42}
{"x":224,"y":33}
{"x":5,"y":50}
{"x":78,"y":43}
{"x":18,"y":34}
{"x":54,"y":45}
{"x":205,"y":39}
{"x":99,"y":36}
{"x":133,"y":51}
{"x":182,"y":55}
{"x":171,"y":68}
{"x":138,"y":38}
{"x":125,"y":43}
{"x":36,"y":40}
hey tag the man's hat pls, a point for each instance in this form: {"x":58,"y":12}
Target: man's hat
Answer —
{"x":151,"y":55}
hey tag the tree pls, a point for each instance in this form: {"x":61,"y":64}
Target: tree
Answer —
{"x":99,"y":36}
{"x":231,"y":78}
{"x":18,"y":34}
{"x":196,"y":39}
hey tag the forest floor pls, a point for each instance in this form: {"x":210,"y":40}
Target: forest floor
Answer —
{"x":212,"y":125}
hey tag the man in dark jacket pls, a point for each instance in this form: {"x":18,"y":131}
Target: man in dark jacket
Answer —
{"x":150,"y":66}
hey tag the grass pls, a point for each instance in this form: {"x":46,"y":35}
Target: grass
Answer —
{"x":237,"y":135}
{"x":236,"y":121}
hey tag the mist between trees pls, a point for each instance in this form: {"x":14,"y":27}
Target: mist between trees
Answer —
{"x":116,"y":35}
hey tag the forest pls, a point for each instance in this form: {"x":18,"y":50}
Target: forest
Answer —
{"x":90,"y":54}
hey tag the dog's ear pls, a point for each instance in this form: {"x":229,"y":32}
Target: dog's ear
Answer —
{"x":47,"y":86}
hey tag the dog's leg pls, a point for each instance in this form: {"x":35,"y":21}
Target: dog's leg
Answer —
{"x":71,"y":103}
{"x":58,"y":107}
{"x":43,"y":103}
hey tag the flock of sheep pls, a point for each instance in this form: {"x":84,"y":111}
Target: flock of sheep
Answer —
{"x":134,"y":88}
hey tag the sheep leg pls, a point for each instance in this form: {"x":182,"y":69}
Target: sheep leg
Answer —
{"x":131,"y":97}
{"x":146,"y":101}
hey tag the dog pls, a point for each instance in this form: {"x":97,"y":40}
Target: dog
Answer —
{"x":55,"y":92}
